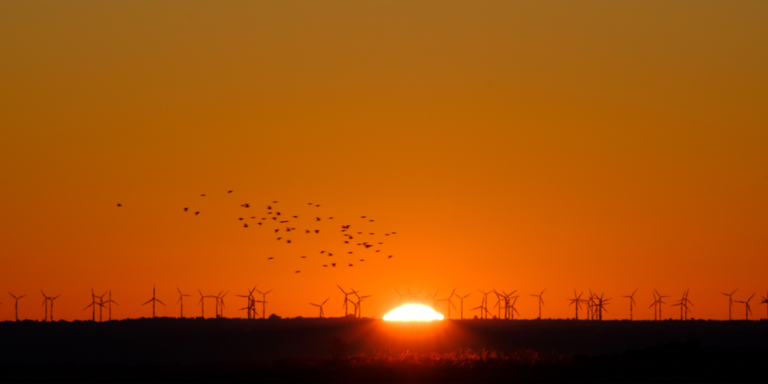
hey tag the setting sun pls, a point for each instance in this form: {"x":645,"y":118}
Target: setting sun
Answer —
{"x":413,"y":312}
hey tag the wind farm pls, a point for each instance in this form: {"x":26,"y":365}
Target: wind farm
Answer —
{"x":383,"y":191}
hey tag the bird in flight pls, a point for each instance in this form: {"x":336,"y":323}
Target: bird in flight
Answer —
{"x":390,"y":256}
{"x":229,"y":191}
{"x":333,"y":264}
{"x":119,"y":205}
{"x":317,"y":231}
{"x":303,"y":257}
{"x":185,"y":209}
{"x":270,"y":258}
{"x":298,"y":271}
{"x":350,"y":264}
{"x":289,"y":241}
{"x":279,"y":238}
{"x":197,"y":213}
{"x":245,"y":225}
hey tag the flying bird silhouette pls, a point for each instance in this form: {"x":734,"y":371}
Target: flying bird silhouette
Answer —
{"x":333,"y":264}
{"x":390,"y":256}
{"x":119,"y":205}
{"x":288,"y":241}
{"x":317,"y":231}
{"x":298,"y":271}
{"x":350,"y":264}
{"x":245,"y":225}
{"x":202,"y":194}
{"x":229,"y":191}
{"x":270,"y":258}
{"x":185,"y":209}
{"x":197,"y":213}
{"x":279,"y":238}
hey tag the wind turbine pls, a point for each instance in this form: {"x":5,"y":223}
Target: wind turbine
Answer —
{"x":263,"y":302}
{"x":730,"y":301}
{"x":109,"y":301}
{"x":202,"y":301}
{"x":512,"y":309}
{"x":101,"y":305}
{"x":346,"y":299}
{"x":398,"y":301}
{"x":16,"y":306}
{"x":450,"y":303}
{"x":251,"y":306}
{"x":661,"y":301}
{"x":576,"y":302}
{"x":181,"y":301}
{"x":485,"y":311}
{"x":631,"y":303}
{"x":654,"y":305}
{"x":601,"y":303}
{"x":153,"y":300}
{"x":221,"y":299}
{"x":322,"y":314}
{"x":93,"y":305}
{"x":683,"y":304}
{"x":48,"y":299}
{"x":591,"y":305}
{"x":503,"y":299}
{"x":748,"y":310}
{"x":541,"y":300}
{"x":765,"y":301}
{"x":461,"y":298}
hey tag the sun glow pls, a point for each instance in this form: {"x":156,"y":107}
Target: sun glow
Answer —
{"x":413,"y":312}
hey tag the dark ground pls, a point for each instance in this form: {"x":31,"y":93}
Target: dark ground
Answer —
{"x":353,"y":350}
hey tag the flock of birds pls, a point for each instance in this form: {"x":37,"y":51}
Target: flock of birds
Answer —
{"x":356,"y":238}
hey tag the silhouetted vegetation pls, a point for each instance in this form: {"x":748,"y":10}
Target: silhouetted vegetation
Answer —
{"x":355,"y":350}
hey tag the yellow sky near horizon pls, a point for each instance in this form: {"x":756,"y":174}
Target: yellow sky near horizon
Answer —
{"x":511,"y":144}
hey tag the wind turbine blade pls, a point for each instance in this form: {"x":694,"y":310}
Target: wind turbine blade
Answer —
{"x":150,"y":300}
{"x":164,"y":303}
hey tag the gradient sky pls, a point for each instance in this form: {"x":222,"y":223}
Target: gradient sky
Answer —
{"x":521,"y":145}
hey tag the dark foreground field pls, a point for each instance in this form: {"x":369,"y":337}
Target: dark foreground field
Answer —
{"x":353,"y":350}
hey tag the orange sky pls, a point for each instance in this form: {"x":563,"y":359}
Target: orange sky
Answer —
{"x":512,"y":145}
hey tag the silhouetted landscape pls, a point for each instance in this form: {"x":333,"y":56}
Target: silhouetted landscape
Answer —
{"x":354,"y":350}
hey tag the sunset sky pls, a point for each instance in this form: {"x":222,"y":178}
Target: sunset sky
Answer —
{"x":524,"y":145}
